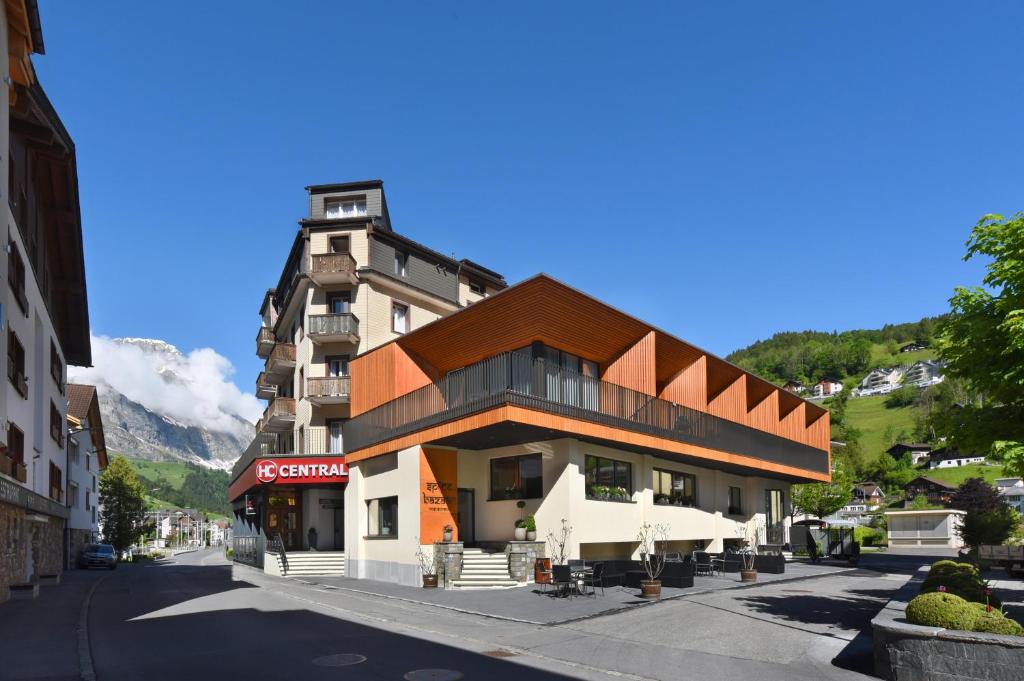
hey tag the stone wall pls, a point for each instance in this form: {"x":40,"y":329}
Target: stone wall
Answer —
{"x":909,"y":652}
{"x":78,"y":539}
{"x":448,"y":563}
{"x":31,"y":545}
{"x":522,"y":555}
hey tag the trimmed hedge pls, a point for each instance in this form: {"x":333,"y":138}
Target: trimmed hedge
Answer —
{"x":961,"y":604}
{"x":962,"y":579}
{"x":944,"y":610}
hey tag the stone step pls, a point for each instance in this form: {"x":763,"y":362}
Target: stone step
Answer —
{"x":492,"y":584}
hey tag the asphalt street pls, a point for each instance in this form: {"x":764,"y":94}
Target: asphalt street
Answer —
{"x":196,"y":617}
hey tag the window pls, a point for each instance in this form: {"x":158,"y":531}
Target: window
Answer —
{"x":477,"y":287}
{"x":334,"y":428}
{"x":735,"y":501}
{"x":517,"y":477}
{"x":56,"y":366}
{"x":339,"y":244}
{"x":56,"y":482}
{"x":337,"y":365}
{"x":88,"y":461}
{"x":73,"y":495}
{"x":382,"y":517}
{"x":401,"y":259}
{"x":16,"y":364}
{"x":16,"y":275}
{"x":678,"y":489}
{"x":608,"y":479}
{"x":73,"y":451}
{"x":88,"y":500}
{"x":344,"y":208}
{"x":399,"y":317}
{"x":339,"y":303}
{"x":56,"y":424}
{"x":15,"y":443}
{"x":301,"y":440}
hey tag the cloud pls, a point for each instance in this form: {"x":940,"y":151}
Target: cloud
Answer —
{"x":193,"y":389}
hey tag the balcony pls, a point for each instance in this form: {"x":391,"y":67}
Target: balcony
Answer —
{"x":278,"y":416}
{"x":281,"y":360}
{"x":264,"y":342}
{"x":333,"y":268}
{"x":328,"y":390}
{"x":516,"y":379}
{"x":265,"y":388}
{"x":342,"y":327}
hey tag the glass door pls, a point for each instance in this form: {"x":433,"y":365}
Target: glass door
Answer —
{"x":774,"y":500}
{"x":336,"y":441}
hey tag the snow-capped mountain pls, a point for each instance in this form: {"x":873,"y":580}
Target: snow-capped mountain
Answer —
{"x":158,"y":403}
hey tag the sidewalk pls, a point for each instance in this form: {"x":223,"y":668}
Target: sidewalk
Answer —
{"x":39,"y":637}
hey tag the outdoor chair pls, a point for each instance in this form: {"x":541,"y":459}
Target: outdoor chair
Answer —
{"x":595,"y":579}
{"x":674,"y":557}
{"x":702,"y":563}
{"x":542,"y":573}
{"x":576,"y":564}
{"x":561,"y":578}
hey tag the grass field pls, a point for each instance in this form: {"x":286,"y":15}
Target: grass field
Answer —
{"x":955,"y":476}
{"x":873,"y":419}
{"x":880,"y":356}
{"x":171,"y":472}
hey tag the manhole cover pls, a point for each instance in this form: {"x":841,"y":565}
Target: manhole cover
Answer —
{"x":339,"y":660}
{"x":433,"y":675}
{"x":499,"y":653}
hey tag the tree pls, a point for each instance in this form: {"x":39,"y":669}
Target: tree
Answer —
{"x":820,"y":499}
{"x":974,"y":495}
{"x":1012,"y":456}
{"x":122,"y":504}
{"x":993,"y":527}
{"x":982,"y":341}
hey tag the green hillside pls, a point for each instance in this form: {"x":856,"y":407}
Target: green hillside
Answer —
{"x":954,"y":476}
{"x":878,"y":424}
{"x":171,"y":484}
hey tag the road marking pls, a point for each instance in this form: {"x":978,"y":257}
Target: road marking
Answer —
{"x":85,"y":666}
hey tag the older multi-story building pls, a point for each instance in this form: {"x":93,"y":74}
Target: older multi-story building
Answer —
{"x":350,"y":283}
{"x":86,"y":460}
{"x":42,"y":308}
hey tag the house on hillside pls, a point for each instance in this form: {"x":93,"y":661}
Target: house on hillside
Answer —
{"x":881,"y":380}
{"x":951,"y":458}
{"x":795,"y":387}
{"x":936,"y":491}
{"x":869,"y":493}
{"x":826,"y":387}
{"x":1013,"y":490}
{"x":914,"y":346}
{"x":924,"y":373}
{"x":918,"y":451}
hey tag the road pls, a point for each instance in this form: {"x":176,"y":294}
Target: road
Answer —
{"x":188,"y":618}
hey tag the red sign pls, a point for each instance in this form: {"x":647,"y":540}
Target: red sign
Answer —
{"x":302,"y":471}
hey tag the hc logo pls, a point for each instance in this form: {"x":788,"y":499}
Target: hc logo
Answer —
{"x":266,"y":471}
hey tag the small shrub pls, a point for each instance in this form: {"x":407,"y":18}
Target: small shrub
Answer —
{"x":995,"y":623}
{"x":938,"y":609}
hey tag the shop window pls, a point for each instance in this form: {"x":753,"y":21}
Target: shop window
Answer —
{"x":382,"y":517}
{"x":677,"y":489}
{"x":517,"y":477}
{"x":608,"y":479}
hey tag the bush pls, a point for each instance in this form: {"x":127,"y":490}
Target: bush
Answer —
{"x":961,"y":579}
{"x":995,"y":623}
{"x":944,"y":610}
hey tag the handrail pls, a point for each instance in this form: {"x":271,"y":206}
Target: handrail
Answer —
{"x":332,"y":324}
{"x":515,"y":378}
{"x":328,"y":386}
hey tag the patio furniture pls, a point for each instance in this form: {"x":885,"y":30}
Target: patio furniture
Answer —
{"x":542,"y":573}
{"x":674,"y":557}
{"x":770,"y":563}
{"x":703,"y":563}
{"x":576,"y":564}
{"x":594,"y":579}
{"x":561,"y":578}
{"x":633,"y":578}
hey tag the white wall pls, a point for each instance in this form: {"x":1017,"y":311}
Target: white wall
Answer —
{"x":84,"y":474}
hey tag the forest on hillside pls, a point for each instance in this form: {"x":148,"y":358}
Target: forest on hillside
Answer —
{"x":202,"y":488}
{"x":809,"y":356}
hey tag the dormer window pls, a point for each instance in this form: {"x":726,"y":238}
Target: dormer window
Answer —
{"x":344,"y":208}
{"x":401,"y":259}
{"x":477,"y":287}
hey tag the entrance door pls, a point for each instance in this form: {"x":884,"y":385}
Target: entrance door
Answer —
{"x":466,"y":516}
{"x":284,"y":517}
{"x":339,"y":529}
{"x":774,"y":501}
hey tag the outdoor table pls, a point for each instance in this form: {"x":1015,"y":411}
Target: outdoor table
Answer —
{"x":578,"y":575}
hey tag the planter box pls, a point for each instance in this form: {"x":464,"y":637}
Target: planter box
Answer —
{"x":20,"y":472}
{"x":6,"y":465}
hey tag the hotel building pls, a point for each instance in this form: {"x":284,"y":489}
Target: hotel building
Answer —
{"x":44,"y":318}
{"x":536,"y":399}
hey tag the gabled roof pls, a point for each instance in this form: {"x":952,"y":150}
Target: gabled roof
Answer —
{"x":83,"y":403}
{"x":932,"y":481}
{"x":909,"y":446}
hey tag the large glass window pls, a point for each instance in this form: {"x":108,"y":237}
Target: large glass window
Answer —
{"x":735,"y":501}
{"x":382,"y":517}
{"x":671,"y":487}
{"x":517,"y":477}
{"x":608,"y":478}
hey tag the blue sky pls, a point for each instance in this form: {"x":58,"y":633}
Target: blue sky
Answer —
{"x":722,"y":170}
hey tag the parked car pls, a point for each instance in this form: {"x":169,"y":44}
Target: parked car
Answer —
{"x":98,"y":555}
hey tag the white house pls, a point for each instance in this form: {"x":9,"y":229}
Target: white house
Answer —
{"x":1013,"y":490}
{"x":826,"y":387}
{"x":951,"y":458}
{"x":924,"y":373}
{"x":881,"y":380}
{"x":918,"y":451}
{"x":87,"y":457}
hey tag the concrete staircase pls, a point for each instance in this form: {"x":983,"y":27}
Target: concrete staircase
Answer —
{"x":302,"y":563}
{"x":484,"y":571}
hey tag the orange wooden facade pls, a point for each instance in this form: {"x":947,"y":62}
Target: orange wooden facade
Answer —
{"x":630,"y":353}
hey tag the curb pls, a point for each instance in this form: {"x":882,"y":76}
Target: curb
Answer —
{"x":85,"y":666}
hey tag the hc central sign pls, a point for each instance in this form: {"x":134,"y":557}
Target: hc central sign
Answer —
{"x":302,"y":471}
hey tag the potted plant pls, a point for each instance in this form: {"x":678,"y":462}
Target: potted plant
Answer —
{"x":748,"y":564}
{"x":6,"y":463}
{"x":447,"y":533}
{"x":20,"y":472}
{"x":520,"y":530}
{"x":558,"y":543}
{"x":531,"y":528}
{"x":653,"y":540}
{"x":662,"y":499}
{"x":620,"y":494}
{"x":426,"y":563}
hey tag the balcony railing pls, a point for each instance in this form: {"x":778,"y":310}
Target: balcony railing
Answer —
{"x":265,"y":341}
{"x":316,"y":441}
{"x":517,"y":379}
{"x":279,"y":412}
{"x":328,"y":386}
{"x":265,"y":388}
{"x":332,"y":267}
{"x":281,"y":357}
{"x":339,"y":325}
